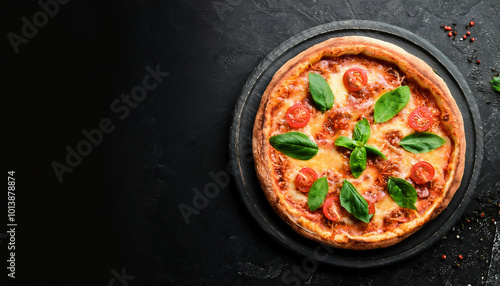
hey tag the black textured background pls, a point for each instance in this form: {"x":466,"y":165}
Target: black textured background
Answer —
{"x":118,"y":213}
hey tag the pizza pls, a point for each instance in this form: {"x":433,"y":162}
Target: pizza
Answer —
{"x":357,"y":143}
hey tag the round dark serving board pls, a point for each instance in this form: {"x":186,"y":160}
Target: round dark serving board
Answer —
{"x":241,"y":140}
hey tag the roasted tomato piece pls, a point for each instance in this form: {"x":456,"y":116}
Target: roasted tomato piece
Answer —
{"x":297,"y":115}
{"x":422,"y":172}
{"x":332,"y":208}
{"x":371,"y":204}
{"x":355,"y":79}
{"x":304,"y":179}
{"x":420,"y":119}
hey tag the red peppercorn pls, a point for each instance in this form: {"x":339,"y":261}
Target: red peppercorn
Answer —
{"x":478,"y":62}
{"x":482,"y":214}
{"x":472,"y":39}
{"x":450,"y":34}
{"x":471,"y":23}
{"x":461,"y":256}
{"x":468,"y":33}
{"x":465,"y":37}
{"x":443,"y":257}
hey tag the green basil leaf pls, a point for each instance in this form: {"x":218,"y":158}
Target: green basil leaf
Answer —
{"x":421,"y":142}
{"x":358,"y":161}
{"x":361,"y":131}
{"x":391,"y":103}
{"x":375,"y":151}
{"x":435,"y":71}
{"x":317,"y":193}
{"x":353,"y":202}
{"x":402,"y":192}
{"x":321,"y":92}
{"x":346,"y":142}
{"x":294,"y":144}
{"x":495,"y":83}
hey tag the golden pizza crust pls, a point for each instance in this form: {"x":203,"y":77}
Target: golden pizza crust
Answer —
{"x":409,"y":64}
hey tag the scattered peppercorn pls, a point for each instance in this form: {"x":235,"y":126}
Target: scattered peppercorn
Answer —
{"x":468,"y":33}
{"x":458,"y":265}
{"x":482,"y":214}
{"x":472,"y":39}
{"x":443,"y":257}
{"x":461,"y":257}
{"x":471,"y":23}
{"x":465,"y":37}
{"x":450,"y":34}
{"x":468,"y":221}
{"x":478,"y":62}
{"x":488,"y":102}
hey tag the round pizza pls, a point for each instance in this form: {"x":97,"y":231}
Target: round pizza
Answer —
{"x":358,"y":143}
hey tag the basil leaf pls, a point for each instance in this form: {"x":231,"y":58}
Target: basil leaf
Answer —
{"x":391,"y":103}
{"x":358,"y":161}
{"x":402,"y":192}
{"x":353,"y":202}
{"x":343,"y":141}
{"x":361,"y":131}
{"x":317,"y":193}
{"x":375,"y":151}
{"x":294,"y":144}
{"x":495,"y":83}
{"x":321,"y":92}
{"x":421,"y":142}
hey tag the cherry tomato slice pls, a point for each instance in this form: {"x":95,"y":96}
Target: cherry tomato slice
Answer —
{"x":330,"y":208}
{"x":422,"y":172}
{"x":304,"y":179}
{"x":420,"y":119}
{"x":355,"y":79}
{"x":371,"y":206}
{"x":297,"y":115}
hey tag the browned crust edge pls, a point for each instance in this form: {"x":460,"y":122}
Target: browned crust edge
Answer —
{"x":410,"y":65}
